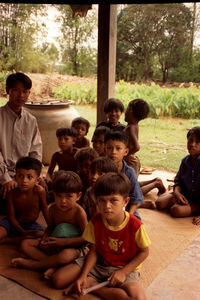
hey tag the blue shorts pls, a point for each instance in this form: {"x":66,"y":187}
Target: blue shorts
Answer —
{"x":12,"y":231}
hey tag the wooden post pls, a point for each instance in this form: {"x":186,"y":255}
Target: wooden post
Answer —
{"x":107,"y":37}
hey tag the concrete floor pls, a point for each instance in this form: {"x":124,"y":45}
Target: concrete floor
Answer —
{"x":179,"y":281}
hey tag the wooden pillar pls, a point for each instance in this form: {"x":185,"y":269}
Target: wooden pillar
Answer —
{"x":107,"y":37}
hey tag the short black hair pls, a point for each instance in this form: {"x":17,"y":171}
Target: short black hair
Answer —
{"x":196,"y":131}
{"x":117,"y":136}
{"x":113,"y":103}
{"x":66,"y":131}
{"x":103,"y":164}
{"x":29,"y":163}
{"x":85,"y":153}
{"x":80,"y":120}
{"x":101,"y":130}
{"x":112,"y":183}
{"x":12,"y":78}
{"x":66,"y":182}
{"x":140,"y":108}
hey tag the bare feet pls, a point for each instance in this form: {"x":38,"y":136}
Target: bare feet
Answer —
{"x":20,"y":262}
{"x":160,"y":186}
{"x":148,"y":204}
{"x":48,"y":273}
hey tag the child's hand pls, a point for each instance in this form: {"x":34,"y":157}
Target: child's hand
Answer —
{"x":117,"y":278}
{"x":196,"y":220}
{"x":180,"y":198}
{"x":80,"y":285}
{"x":53,"y":241}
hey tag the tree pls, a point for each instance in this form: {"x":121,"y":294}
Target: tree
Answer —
{"x":153,"y":30}
{"x":75,"y":42}
{"x":17,"y":33}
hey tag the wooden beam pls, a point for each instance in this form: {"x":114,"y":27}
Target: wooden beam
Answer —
{"x":107,"y":37}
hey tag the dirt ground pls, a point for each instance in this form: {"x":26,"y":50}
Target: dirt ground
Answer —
{"x":43,"y":84}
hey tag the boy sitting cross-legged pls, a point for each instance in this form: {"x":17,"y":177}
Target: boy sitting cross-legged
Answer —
{"x":25,"y":202}
{"x":62,"y":241}
{"x":116,"y":145}
{"x":119,"y":244}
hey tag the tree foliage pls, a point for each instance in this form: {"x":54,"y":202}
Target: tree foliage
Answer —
{"x":152,"y":33}
{"x":78,"y":56}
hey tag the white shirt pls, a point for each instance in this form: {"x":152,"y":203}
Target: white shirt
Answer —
{"x":19,"y":136}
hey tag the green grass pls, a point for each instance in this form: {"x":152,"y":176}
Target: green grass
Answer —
{"x":162,"y":141}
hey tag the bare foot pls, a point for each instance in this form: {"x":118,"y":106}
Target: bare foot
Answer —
{"x":160,"y":186}
{"x":148,"y":204}
{"x":48,"y":273}
{"x":20,"y":262}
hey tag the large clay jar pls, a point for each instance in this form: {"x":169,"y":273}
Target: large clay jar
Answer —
{"x":51,"y":115}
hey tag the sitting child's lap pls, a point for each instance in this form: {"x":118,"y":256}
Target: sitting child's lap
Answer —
{"x":101,"y":273}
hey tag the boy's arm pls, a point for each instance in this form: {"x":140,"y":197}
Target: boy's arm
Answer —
{"x":11,"y":214}
{"x":179,"y":196}
{"x":51,"y":168}
{"x":119,"y":276}
{"x":133,"y":143}
{"x":43,"y":203}
{"x":89,"y":263}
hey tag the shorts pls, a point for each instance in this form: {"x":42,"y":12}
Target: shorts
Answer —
{"x":101,"y":272}
{"x":134,"y":162}
{"x":12,"y":231}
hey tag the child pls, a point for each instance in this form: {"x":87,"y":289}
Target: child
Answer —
{"x":137,"y":110}
{"x":81,"y":126}
{"x":98,"y":167}
{"x":25,"y":202}
{"x":83,"y":159}
{"x":116,"y":145}
{"x":113,"y":108}
{"x":65,"y":157}
{"x":184,"y":200}
{"x":98,"y":139}
{"x":67,"y":187}
{"x":119,"y":244}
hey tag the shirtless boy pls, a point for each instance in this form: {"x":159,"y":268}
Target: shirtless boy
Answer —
{"x":51,"y":251}
{"x":25,"y":202}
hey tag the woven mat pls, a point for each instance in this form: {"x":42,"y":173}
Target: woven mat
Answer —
{"x":169,"y":237}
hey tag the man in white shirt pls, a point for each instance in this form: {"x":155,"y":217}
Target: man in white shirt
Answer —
{"x":19,"y":133}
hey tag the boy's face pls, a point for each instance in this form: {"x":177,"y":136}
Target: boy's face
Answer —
{"x":26,"y":179}
{"x":65,"y":142}
{"x":18,"y":96}
{"x":65,"y":201}
{"x":193,"y":146}
{"x":93,"y":176}
{"x":128,"y":114}
{"x":81,"y":130}
{"x":84,"y":167}
{"x":116,"y":150}
{"x":112,"y":207}
{"x":114,"y":116}
{"x":98,"y":144}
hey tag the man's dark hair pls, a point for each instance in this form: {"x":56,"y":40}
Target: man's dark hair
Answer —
{"x":196,"y":131}
{"x":104,"y":165}
{"x":117,"y":136}
{"x":101,"y":130}
{"x":12,"y":78}
{"x":140,"y":108}
{"x":85,"y":153}
{"x":66,"y":182}
{"x":113,"y":103}
{"x":29,"y":163}
{"x":80,"y":120}
{"x":66,"y":131}
{"x":112,"y":183}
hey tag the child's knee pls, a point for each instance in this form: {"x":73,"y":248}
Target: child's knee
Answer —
{"x":57,"y":280}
